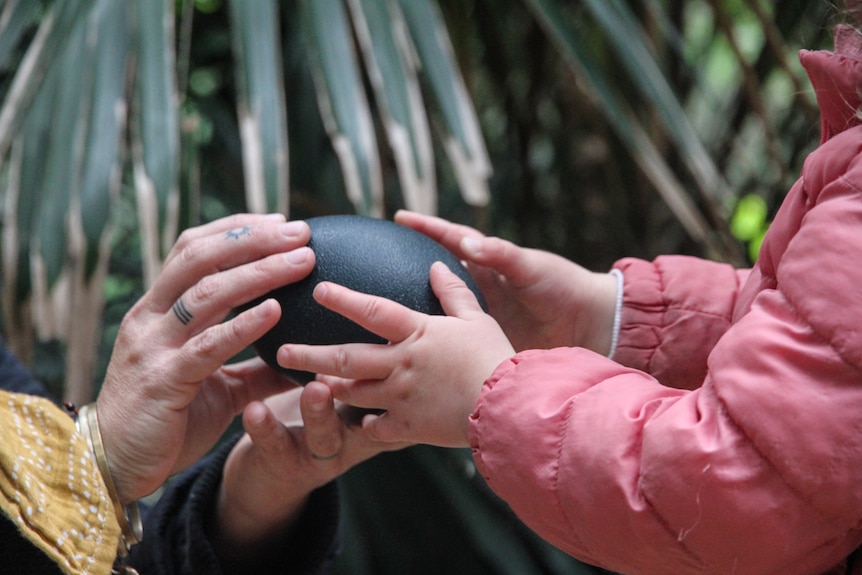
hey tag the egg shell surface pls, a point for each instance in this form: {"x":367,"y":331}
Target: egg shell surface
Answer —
{"x":369,"y":255}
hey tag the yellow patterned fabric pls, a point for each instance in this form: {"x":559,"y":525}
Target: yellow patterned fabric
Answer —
{"x":51,"y":488}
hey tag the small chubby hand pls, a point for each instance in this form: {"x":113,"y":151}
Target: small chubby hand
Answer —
{"x":540,"y":299}
{"x":428,"y":376}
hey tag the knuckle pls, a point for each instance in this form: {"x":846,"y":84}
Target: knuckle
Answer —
{"x":265,"y":268}
{"x":184,"y":240}
{"x":237,"y":327}
{"x":207,"y":288}
{"x":207,"y":343}
{"x":403,"y":394}
{"x":236,"y":220}
{"x":497,"y":246}
{"x":189,"y":252}
{"x":371,"y":309}
{"x":341,"y":361}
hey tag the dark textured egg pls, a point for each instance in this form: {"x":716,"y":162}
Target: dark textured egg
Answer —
{"x":369,"y":255}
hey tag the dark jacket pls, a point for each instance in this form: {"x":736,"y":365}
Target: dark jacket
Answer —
{"x":176,"y":541}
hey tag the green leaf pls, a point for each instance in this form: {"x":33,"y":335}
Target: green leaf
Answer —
{"x":627,"y":38}
{"x":464,"y":145}
{"x":47,"y":45}
{"x":155,"y":142}
{"x":391,"y":66}
{"x":626,"y":124}
{"x":344,"y":107}
{"x":103,"y":151}
{"x":61,"y":174}
{"x":749,"y":219}
{"x":260,"y":104}
{"x":16,"y":17}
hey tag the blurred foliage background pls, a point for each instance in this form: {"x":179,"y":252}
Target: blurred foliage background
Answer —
{"x":596,"y":129}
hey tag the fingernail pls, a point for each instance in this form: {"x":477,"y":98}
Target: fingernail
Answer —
{"x":274,"y":217}
{"x":320,"y":290}
{"x":317,"y":406}
{"x":264,"y":308}
{"x":282,"y":356}
{"x":293,"y":229}
{"x":470,"y":245}
{"x":255,"y":415}
{"x":298,"y":256}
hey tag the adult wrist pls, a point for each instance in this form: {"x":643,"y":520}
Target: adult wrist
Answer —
{"x":128,"y":516}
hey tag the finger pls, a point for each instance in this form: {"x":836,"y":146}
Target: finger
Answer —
{"x":219,"y":226}
{"x":213,"y":297}
{"x":205,"y":352}
{"x":386,"y":318}
{"x":381,"y":427}
{"x":330,"y":380}
{"x":455,"y":297}
{"x":446,"y":233}
{"x":255,"y":369}
{"x":285,"y":406}
{"x":322,"y":424}
{"x":517,"y":265}
{"x":267,"y":433}
{"x":204,"y":256}
{"x":253,"y":380}
{"x":346,"y":362}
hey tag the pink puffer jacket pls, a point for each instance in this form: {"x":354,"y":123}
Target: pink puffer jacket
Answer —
{"x":727,"y":435}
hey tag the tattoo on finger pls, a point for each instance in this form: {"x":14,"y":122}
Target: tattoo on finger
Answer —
{"x":237,"y":233}
{"x":182,"y":312}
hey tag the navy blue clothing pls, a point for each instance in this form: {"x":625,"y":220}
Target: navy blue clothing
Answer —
{"x":176,"y":540}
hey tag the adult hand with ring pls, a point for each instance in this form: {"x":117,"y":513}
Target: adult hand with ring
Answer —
{"x":168,"y":395}
{"x":295,"y":442}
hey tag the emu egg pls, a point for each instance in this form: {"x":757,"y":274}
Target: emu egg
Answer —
{"x":368,"y":255}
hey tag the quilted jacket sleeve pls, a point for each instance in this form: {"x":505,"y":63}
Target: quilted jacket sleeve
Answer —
{"x":674,"y":310}
{"x":756,"y":469}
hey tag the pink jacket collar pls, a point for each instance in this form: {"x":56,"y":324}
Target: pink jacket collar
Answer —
{"x":837,"y":80}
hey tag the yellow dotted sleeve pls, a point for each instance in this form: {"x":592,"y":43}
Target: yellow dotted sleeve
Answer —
{"x":51,"y":488}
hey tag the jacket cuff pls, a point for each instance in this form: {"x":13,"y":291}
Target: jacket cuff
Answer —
{"x":640,"y":313}
{"x":674,"y":310}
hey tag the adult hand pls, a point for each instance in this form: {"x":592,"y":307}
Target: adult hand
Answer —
{"x":167,"y":395}
{"x":541,"y":300}
{"x":281,"y":460}
{"x":427,"y":377}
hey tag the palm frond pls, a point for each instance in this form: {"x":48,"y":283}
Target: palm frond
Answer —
{"x":260,"y":104}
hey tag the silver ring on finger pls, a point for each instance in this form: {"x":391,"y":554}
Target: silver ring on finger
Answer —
{"x":323,"y":457}
{"x":182,"y":312}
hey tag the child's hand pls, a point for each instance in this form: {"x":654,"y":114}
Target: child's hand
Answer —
{"x":427,"y":378}
{"x":541,"y":300}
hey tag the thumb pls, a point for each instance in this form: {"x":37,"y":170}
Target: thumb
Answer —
{"x":502,"y":256}
{"x":454,"y":295}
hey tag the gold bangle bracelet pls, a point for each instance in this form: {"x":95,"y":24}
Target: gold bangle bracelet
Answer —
{"x":128,"y":516}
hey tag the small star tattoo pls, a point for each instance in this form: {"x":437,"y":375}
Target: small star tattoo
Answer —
{"x":237,"y":233}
